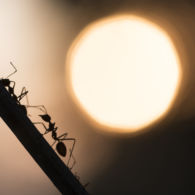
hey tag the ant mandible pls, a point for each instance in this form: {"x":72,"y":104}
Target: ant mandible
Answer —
{"x":60,"y":146}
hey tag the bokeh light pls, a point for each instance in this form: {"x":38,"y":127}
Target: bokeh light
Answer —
{"x":123,"y":72}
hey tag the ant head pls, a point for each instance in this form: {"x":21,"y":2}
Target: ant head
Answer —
{"x":45,"y":117}
{"x":5,"y":82}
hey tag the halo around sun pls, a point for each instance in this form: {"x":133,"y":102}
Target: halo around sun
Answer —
{"x":123,"y":73}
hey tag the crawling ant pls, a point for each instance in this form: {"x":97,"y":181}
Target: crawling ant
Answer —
{"x":7,"y":83}
{"x":60,"y":146}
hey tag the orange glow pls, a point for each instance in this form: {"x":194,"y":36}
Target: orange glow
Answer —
{"x":123,"y":72}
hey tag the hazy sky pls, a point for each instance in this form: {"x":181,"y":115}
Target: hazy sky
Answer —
{"x":35,"y":35}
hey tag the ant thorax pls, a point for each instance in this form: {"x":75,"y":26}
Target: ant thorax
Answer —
{"x":54,"y":135}
{"x":52,"y":126}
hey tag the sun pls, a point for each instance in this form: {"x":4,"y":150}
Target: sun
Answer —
{"x":123,"y":72}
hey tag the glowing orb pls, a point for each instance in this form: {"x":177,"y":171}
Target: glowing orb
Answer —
{"x":123,"y":72}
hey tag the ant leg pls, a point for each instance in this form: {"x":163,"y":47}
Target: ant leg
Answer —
{"x":73,"y":145}
{"x":63,"y":135}
{"x":40,"y":107}
{"x":40,"y":123}
{"x":27,"y":104}
{"x":53,"y":143}
{"x":27,"y":101}
{"x":14,"y":83}
{"x":74,"y":162}
{"x":11,"y":88}
{"x":23,"y":93}
{"x":15,"y":70}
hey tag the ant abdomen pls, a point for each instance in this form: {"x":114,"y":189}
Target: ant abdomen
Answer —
{"x":61,"y":149}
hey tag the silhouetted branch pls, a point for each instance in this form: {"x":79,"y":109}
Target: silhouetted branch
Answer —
{"x":37,"y":146}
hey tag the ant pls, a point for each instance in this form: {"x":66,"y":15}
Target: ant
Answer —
{"x":7,"y":84}
{"x":60,"y":146}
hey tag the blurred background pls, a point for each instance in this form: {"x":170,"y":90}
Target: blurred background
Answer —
{"x":36,"y":35}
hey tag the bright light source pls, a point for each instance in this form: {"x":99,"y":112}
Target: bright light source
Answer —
{"x":124,"y":73}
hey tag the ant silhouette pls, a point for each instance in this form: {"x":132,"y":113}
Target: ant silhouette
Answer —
{"x":7,"y":84}
{"x":60,"y":146}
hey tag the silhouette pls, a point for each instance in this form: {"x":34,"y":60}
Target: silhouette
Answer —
{"x":10,"y":86}
{"x":60,"y":146}
{"x":32,"y":140}
{"x":37,"y":146}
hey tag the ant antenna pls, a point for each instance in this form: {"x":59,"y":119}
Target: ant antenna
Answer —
{"x":15,"y":70}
